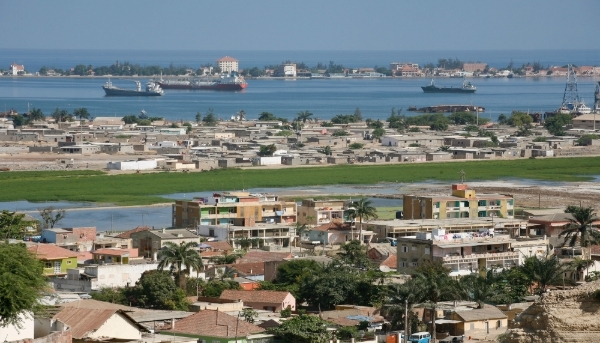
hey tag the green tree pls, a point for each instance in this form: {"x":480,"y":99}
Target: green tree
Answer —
{"x":581,"y":227}
{"x":81,"y":113}
{"x":304,"y":115}
{"x":22,"y":283}
{"x":249,"y":315}
{"x":210,"y":119}
{"x":286,"y":312}
{"x":13,"y":225}
{"x":18,"y":120}
{"x":60,"y":116}
{"x":356,"y":146}
{"x":228,"y":257}
{"x":578,"y":265}
{"x":556,"y":123}
{"x":303,"y":329}
{"x":214,"y":288}
{"x":294,"y":271}
{"x":439,"y":126}
{"x":463,"y":118}
{"x":502,"y":120}
{"x":266,"y":116}
{"x":198,"y":117}
{"x":51,"y":216}
{"x":180,"y":259}
{"x":398,"y":298}
{"x":519,"y":119}
{"x":325,"y":150}
{"x":340,"y":133}
{"x":267,"y":150}
{"x":357,"y":115}
{"x":157,"y":290}
{"x":586,"y":139}
{"x":188,"y":129}
{"x":36,"y":115}
{"x":436,"y":285}
{"x":80,"y":70}
{"x":130,"y":119}
{"x":542,"y":271}
{"x":362,"y":209}
{"x":354,"y":254}
{"x":378,"y":133}
{"x":111,"y":295}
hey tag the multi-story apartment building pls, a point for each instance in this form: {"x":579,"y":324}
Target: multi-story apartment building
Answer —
{"x":228,"y":64}
{"x":267,"y":236}
{"x":319,"y":212}
{"x":463,"y":203}
{"x":468,"y":251}
{"x":234,"y":208}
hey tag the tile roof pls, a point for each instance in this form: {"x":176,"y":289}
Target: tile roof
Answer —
{"x":127,"y":234}
{"x":332,"y":227}
{"x":213,"y":323}
{"x":51,"y":252}
{"x":391,"y":262}
{"x":227,"y":59}
{"x":219,"y":245}
{"x":97,"y":305}
{"x":272,"y":297}
{"x":82,"y":321}
{"x":247,"y":269}
{"x":264,"y":256}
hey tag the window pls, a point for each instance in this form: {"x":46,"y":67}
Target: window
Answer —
{"x":404,"y":248}
{"x":413,"y":248}
{"x":48,"y":265}
{"x":472,"y":326}
{"x":413,"y":264}
{"x":403,"y":264}
{"x":427,"y":251}
{"x":69,"y":261}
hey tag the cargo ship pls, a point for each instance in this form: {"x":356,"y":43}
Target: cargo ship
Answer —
{"x":232,"y":82}
{"x":152,"y":89}
{"x":466,"y":87}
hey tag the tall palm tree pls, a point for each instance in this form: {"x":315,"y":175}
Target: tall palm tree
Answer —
{"x":401,"y":297}
{"x":579,"y":264}
{"x":304,"y":115}
{"x":180,"y":259}
{"x":362,"y":209}
{"x":581,"y":227}
{"x":300,"y":229}
{"x":543,"y":270}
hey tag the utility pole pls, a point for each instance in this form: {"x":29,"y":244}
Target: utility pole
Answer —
{"x":405,"y":320}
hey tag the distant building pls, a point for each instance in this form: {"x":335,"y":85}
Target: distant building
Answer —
{"x":16,"y":68}
{"x":228,"y":64}
{"x":474,"y":67}
{"x":56,"y":260}
{"x":399,"y":65}
{"x":286,"y":70}
{"x":463,"y":203}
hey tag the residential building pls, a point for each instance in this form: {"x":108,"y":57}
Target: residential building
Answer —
{"x":264,"y":235}
{"x":402,"y":141}
{"x":74,"y":239}
{"x":213,"y":326}
{"x":234,"y":208}
{"x":98,"y":276}
{"x":150,"y":242}
{"x":91,"y":324}
{"x":590,"y":121}
{"x":337,"y":233}
{"x":108,"y":255}
{"x":228,"y":64}
{"x":274,"y":301}
{"x":474,"y":67}
{"x":463,"y":203}
{"x":56,"y":259}
{"x":552,"y":225}
{"x":468,"y":251}
{"x":15,"y":69}
{"x":286,"y":70}
{"x":483,"y":319}
{"x":394,"y":66}
{"x":317,"y":212}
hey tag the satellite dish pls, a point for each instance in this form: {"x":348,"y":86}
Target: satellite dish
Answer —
{"x":385,"y":269}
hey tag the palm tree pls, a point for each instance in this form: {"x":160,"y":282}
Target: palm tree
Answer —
{"x":36,"y":114}
{"x":300,"y":229}
{"x":581,"y":226}
{"x":81,"y":113}
{"x":180,"y":259}
{"x":362,"y":209}
{"x":543,"y":271}
{"x":437,"y":286}
{"x":304,"y":115}
{"x":227,"y":257}
{"x":578,"y":265}
{"x":401,"y":297}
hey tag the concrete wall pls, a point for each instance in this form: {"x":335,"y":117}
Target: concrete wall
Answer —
{"x":117,"y":327}
{"x":118,"y":275}
{"x":133,"y":165}
{"x":14,"y":333}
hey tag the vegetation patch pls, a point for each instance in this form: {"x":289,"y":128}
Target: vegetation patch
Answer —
{"x":142,"y":189}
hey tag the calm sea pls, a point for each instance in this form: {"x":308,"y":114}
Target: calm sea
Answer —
{"x":325,"y":98}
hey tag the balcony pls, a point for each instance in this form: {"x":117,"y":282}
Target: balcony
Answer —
{"x":473,"y":258}
{"x":220,"y":215}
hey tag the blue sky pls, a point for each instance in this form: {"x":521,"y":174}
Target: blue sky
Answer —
{"x":301,"y":25}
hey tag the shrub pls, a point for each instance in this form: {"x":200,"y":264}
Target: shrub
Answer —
{"x":356,"y":146}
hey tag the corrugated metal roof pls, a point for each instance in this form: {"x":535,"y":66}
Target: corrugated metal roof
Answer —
{"x":83,"y":320}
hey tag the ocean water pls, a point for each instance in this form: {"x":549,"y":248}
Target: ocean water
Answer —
{"x":285,"y":98}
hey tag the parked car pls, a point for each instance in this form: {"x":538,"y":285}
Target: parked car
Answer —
{"x":393,"y":242}
{"x":420,"y":337}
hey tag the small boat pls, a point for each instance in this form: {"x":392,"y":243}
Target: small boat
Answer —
{"x":466,"y":87}
{"x":152,"y":89}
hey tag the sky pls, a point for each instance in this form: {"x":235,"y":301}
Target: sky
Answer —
{"x":300,"y":25}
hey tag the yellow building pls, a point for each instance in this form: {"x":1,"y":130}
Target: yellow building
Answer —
{"x":463,"y":203}
{"x":234,"y":208}
{"x":228,"y":64}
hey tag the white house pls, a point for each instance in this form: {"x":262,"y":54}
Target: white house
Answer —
{"x":16,"y":68}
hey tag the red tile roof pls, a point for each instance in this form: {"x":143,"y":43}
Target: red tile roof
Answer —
{"x":213,"y":323}
{"x":391,"y":262}
{"x":51,"y":252}
{"x":127,"y":234}
{"x":332,"y":227}
{"x":247,"y":269}
{"x":227,"y":59}
{"x":271,"y":297}
{"x":219,"y":245}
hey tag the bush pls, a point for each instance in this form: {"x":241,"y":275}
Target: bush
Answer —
{"x":414,"y":129}
{"x":539,"y":139}
{"x":586,"y":139}
{"x":414,"y":145}
{"x":519,"y":119}
{"x":555,"y":124}
{"x":341,"y":133}
{"x":356,"y":146}
{"x":347,"y":332}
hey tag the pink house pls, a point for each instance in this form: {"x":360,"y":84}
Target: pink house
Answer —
{"x":262,"y":300}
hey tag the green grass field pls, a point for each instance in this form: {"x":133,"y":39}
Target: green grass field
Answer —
{"x":141,"y":189}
